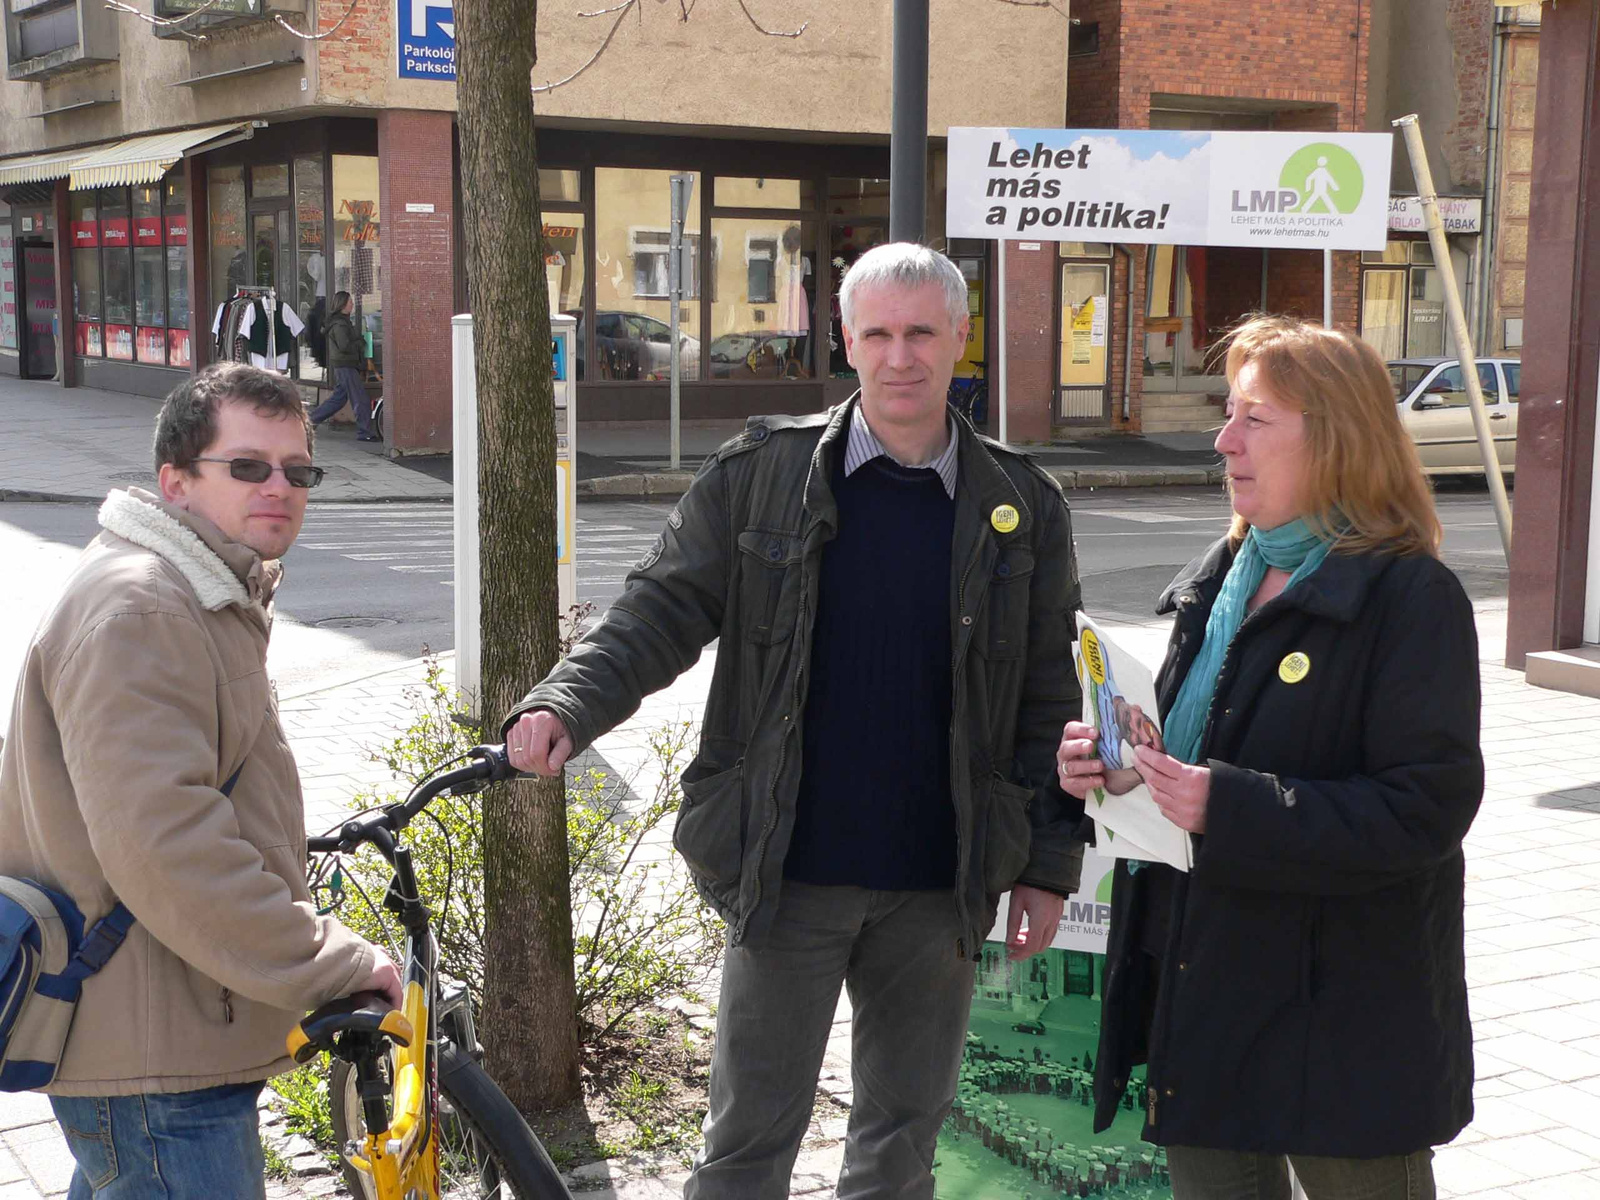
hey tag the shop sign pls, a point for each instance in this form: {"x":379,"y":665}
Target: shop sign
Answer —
{"x":178,"y":347}
{"x":85,"y":234}
{"x":182,"y":8}
{"x":8,"y":290}
{"x":151,"y":345}
{"x":1458,"y":214}
{"x":427,"y":40}
{"x":147,"y":231}
{"x":178,"y":230}
{"x":119,"y":342}
{"x":114,"y":231}
{"x":1323,"y":191}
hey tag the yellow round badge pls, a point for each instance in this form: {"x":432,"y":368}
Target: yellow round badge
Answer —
{"x":1094,"y":657}
{"x":1005,"y":518}
{"x":1294,"y":667}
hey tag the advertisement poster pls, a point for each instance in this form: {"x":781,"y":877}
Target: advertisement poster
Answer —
{"x":88,"y":339}
{"x":8,"y":289}
{"x":151,"y":345}
{"x":119,"y":342}
{"x":1322,"y":191}
{"x":178,"y":348}
{"x":1022,"y":1126}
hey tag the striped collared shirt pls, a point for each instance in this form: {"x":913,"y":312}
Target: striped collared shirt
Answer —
{"x":864,"y":446}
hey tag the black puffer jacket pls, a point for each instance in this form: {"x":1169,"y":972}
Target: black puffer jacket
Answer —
{"x":1309,"y":993}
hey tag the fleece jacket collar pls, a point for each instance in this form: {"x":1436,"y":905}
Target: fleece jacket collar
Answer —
{"x":221,"y":571}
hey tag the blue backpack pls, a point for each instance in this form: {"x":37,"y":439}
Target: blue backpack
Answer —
{"x":45,"y":955}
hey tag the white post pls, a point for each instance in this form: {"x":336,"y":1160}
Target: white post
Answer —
{"x":1327,"y":289}
{"x":1000,"y":345}
{"x":464,"y":397}
{"x":1458,"y":326}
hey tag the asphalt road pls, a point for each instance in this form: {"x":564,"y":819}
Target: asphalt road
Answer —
{"x":369,"y":586}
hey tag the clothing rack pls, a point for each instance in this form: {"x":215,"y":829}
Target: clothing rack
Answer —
{"x":269,"y":298}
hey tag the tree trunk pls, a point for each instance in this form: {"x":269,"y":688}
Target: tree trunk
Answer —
{"x":529,"y":1026}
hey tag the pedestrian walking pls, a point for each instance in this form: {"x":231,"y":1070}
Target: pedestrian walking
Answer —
{"x":894,"y":599}
{"x":345,"y":356}
{"x":147,"y":779}
{"x":1300,"y":995}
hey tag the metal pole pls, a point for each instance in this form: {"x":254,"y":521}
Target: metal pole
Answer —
{"x":908,"y":123}
{"x":681,"y":187}
{"x":1000,"y":344}
{"x":1327,"y":289}
{"x":1458,"y":325}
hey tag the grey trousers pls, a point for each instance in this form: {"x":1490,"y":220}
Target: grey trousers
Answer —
{"x":910,"y":993}
{"x":1199,"y":1174}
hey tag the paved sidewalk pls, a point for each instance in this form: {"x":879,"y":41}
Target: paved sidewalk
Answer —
{"x":1533,"y":942}
{"x":78,"y":443}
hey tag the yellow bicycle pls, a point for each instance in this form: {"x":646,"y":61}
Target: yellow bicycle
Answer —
{"x":417,"y":1116}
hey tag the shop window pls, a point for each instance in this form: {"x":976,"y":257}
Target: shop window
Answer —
{"x":761,"y":326}
{"x":564,"y":262}
{"x":149,"y":286}
{"x":761,"y":261}
{"x":632,"y":336}
{"x":1084,"y":249}
{"x":311,"y":264}
{"x":557,"y":185}
{"x":1383,"y":311}
{"x":733,"y":191}
{"x":651,"y":252}
{"x":175,"y":224}
{"x":859,"y":197}
{"x":358,"y":248}
{"x":8,"y":281}
{"x":86,"y":297}
{"x":230,"y":265}
{"x":269,"y":182}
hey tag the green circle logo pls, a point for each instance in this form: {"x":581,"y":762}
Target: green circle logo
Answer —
{"x":1327,"y":178}
{"x":1102,"y":894}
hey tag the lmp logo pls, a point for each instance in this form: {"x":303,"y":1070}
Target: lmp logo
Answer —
{"x":1325,"y":178}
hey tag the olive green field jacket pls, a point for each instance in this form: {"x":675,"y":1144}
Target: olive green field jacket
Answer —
{"x":739,"y":563}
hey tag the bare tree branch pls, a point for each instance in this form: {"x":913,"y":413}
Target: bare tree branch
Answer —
{"x":602,"y":12}
{"x":318,"y":37}
{"x":1050,"y":4}
{"x":622,"y":11}
{"x":760,"y":28}
{"x":164,"y":22}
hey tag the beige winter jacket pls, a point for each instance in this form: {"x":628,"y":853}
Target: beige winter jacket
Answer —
{"x":144,"y":689}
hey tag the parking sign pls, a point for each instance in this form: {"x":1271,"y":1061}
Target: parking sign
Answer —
{"x":426,"y":36}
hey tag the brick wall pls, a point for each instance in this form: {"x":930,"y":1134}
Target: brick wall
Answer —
{"x":1308,"y":62}
{"x":356,"y":63}
{"x":1471,"y":28}
{"x":416,"y":169}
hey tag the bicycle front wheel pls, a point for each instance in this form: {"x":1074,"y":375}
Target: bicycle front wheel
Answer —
{"x":486,"y":1150}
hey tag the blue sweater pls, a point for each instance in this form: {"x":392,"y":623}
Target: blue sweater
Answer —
{"x":874,"y":807}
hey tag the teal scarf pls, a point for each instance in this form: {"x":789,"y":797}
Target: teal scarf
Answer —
{"x":1292,"y":547}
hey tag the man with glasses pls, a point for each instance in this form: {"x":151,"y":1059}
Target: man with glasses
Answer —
{"x":146,"y":765}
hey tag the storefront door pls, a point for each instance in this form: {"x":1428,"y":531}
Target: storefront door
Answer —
{"x":39,"y":309}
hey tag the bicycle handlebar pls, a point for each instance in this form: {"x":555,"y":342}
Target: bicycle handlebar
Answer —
{"x":490,"y":765}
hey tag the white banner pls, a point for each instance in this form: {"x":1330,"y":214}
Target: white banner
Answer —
{"x":1458,"y":214}
{"x":1315,"y":191}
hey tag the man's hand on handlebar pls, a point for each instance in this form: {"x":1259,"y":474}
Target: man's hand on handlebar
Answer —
{"x":539,"y":742}
{"x":385,"y":977}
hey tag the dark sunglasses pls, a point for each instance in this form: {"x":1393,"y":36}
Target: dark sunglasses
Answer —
{"x":255,"y":470}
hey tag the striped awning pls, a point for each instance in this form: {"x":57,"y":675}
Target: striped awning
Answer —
{"x":39,"y":168}
{"x":145,"y":159}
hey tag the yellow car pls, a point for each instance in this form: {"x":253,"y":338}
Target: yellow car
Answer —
{"x":1434,"y":410}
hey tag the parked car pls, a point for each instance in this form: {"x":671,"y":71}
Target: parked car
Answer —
{"x":630,"y":345}
{"x":1035,"y":1027}
{"x":1435,"y":412}
{"x":759,"y":354}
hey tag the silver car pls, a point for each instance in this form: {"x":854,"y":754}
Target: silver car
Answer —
{"x":1434,"y":410}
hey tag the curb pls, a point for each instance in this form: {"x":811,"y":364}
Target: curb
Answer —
{"x":675,"y":483}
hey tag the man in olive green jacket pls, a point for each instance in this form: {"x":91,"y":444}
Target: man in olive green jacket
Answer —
{"x":893,"y":599}
{"x":144,"y":690}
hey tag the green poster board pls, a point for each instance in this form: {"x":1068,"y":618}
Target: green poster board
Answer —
{"x":1022,"y":1127}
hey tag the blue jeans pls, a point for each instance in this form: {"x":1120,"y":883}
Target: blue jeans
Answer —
{"x":173,"y":1146}
{"x":349,"y":388}
{"x":1199,"y":1174}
